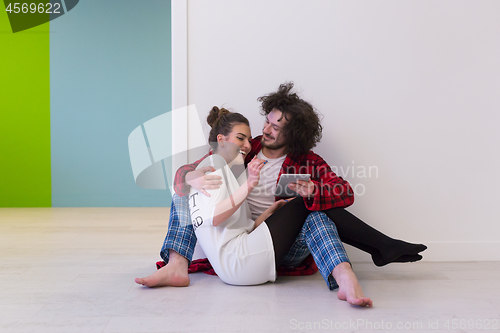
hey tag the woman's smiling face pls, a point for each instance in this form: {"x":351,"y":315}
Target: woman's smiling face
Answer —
{"x":236,"y":142}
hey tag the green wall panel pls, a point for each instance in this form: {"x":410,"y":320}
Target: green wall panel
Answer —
{"x":25,"y":175}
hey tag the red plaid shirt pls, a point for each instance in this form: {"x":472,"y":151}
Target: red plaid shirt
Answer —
{"x":331,"y":190}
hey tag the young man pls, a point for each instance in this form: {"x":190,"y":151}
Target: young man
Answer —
{"x":292,"y":128}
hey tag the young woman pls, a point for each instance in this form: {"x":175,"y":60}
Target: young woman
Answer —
{"x":241,"y":251}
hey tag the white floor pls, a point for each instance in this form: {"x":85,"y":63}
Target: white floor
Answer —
{"x":73,"y":269}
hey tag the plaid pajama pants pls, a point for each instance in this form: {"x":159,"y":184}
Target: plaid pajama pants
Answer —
{"x":318,"y":237}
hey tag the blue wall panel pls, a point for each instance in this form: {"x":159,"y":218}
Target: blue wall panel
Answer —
{"x":110,"y":72}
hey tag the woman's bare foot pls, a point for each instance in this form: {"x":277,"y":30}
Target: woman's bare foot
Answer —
{"x":174,"y":274}
{"x":349,"y":288}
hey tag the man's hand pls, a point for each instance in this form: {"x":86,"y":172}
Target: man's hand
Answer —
{"x":304,"y":188}
{"x":201,"y":182}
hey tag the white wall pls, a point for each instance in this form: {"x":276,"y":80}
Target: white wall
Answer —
{"x":409,"y":87}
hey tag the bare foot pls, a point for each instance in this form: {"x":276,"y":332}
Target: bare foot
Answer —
{"x":349,"y":288}
{"x":174,"y":274}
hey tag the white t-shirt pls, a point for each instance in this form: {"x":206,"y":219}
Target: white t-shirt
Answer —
{"x":238,"y":255}
{"x":262,"y":196}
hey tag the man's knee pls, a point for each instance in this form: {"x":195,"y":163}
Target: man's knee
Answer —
{"x":317,"y":216}
{"x":319,"y":219}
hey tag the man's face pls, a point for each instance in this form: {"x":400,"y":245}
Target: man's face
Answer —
{"x":272,"y":133}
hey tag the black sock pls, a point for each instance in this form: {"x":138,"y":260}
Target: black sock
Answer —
{"x":378,"y":261}
{"x":383,"y":248}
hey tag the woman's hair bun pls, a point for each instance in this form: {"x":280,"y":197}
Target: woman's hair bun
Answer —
{"x":215,"y":114}
{"x":222,"y":122}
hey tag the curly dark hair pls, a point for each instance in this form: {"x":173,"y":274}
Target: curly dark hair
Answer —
{"x":222,"y":122}
{"x":303,"y":130}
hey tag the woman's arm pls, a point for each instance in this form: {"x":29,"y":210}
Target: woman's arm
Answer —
{"x":227,"y":207}
{"x":270,"y":211}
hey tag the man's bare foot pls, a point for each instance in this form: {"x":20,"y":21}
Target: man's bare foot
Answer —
{"x":174,"y":274}
{"x":349,"y":288}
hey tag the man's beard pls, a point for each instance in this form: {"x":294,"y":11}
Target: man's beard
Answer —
{"x":271,"y":146}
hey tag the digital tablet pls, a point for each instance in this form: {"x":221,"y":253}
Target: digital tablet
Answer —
{"x":282,"y":189}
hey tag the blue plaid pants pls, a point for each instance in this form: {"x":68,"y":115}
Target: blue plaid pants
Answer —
{"x":318,"y":236}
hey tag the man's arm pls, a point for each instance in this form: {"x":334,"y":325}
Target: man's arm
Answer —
{"x":181,"y":187}
{"x":330,"y":190}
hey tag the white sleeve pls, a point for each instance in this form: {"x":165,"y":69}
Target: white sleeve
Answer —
{"x":216,"y":196}
{"x":220,"y":194}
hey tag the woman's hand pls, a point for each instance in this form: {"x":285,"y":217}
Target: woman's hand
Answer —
{"x":270,"y":211}
{"x":201,"y":182}
{"x":277,"y":205}
{"x":254,"y":168}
